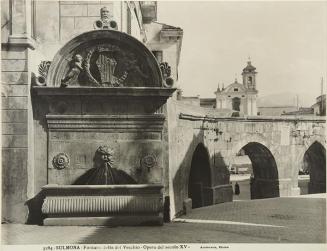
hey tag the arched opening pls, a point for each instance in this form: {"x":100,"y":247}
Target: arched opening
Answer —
{"x":249,"y":80}
{"x":200,"y":178}
{"x":314,"y":166}
{"x":263,"y":181}
{"x":236,"y":103}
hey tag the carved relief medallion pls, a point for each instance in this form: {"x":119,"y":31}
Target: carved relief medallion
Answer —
{"x":60,"y":161}
{"x":148,"y":161}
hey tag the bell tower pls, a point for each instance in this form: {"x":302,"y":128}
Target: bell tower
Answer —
{"x":249,"y":76}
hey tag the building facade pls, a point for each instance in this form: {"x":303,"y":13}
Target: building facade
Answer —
{"x":319,"y":108}
{"x":32,"y":33}
{"x":239,"y":97}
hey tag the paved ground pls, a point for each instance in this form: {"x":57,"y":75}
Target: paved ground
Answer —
{"x":286,"y":220}
{"x":244,"y":183}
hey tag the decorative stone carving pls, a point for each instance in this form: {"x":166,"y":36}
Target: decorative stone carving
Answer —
{"x":44,"y":68}
{"x":99,"y":68}
{"x":104,"y":58}
{"x":166,"y":74}
{"x":165,"y":70}
{"x":148,"y":161}
{"x":74,"y":71}
{"x":43,"y":73}
{"x":295,"y":133}
{"x":103,"y":173}
{"x":105,"y":22}
{"x":60,"y":161}
{"x":105,"y":65}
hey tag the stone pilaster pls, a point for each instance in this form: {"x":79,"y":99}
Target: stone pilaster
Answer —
{"x":17,"y":154}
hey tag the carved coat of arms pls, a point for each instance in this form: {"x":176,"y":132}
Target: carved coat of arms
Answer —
{"x":106,"y":66}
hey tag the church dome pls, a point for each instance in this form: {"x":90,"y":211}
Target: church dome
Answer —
{"x":249,"y":68}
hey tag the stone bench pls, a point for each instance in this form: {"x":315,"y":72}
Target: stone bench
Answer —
{"x":111,"y":205}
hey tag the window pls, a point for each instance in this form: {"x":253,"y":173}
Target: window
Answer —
{"x":235,"y":89}
{"x":158,"y":55}
{"x":250,"y":80}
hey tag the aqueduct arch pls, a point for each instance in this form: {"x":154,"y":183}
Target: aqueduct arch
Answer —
{"x":264,"y":179}
{"x":314,"y":161}
{"x":200,"y":177}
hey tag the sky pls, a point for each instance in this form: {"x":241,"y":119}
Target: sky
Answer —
{"x":286,"y":41}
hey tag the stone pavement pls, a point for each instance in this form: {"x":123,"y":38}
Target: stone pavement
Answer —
{"x":295,"y":220}
{"x":278,"y":220}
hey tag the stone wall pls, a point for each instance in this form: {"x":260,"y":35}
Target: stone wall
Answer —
{"x":5,"y":21}
{"x":15,"y":95}
{"x":17,"y":143}
{"x":67,"y":19}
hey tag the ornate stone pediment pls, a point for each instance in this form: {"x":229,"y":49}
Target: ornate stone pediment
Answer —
{"x":104,"y":58}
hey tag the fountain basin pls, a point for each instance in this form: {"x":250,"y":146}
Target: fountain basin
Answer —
{"x":140,"y":204}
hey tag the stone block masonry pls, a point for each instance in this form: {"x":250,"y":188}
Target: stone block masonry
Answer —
{"x":14,"y":133}
{"x":78,"y":16}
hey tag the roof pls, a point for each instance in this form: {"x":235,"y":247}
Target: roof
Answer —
{"x":168,"y":27}
{"x":249,"y":67}
{"x":233,"y":86}
{"x":169,"y":31}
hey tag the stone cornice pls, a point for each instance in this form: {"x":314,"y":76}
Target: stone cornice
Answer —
{"x":131,"y":189}
{"x":21,"y":40}
{"x":251,"y":118}
{"x":152,"y":123}
{"x":105,"y":91}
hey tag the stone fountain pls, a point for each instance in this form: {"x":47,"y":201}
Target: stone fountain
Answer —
{"x":102,"y":105}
